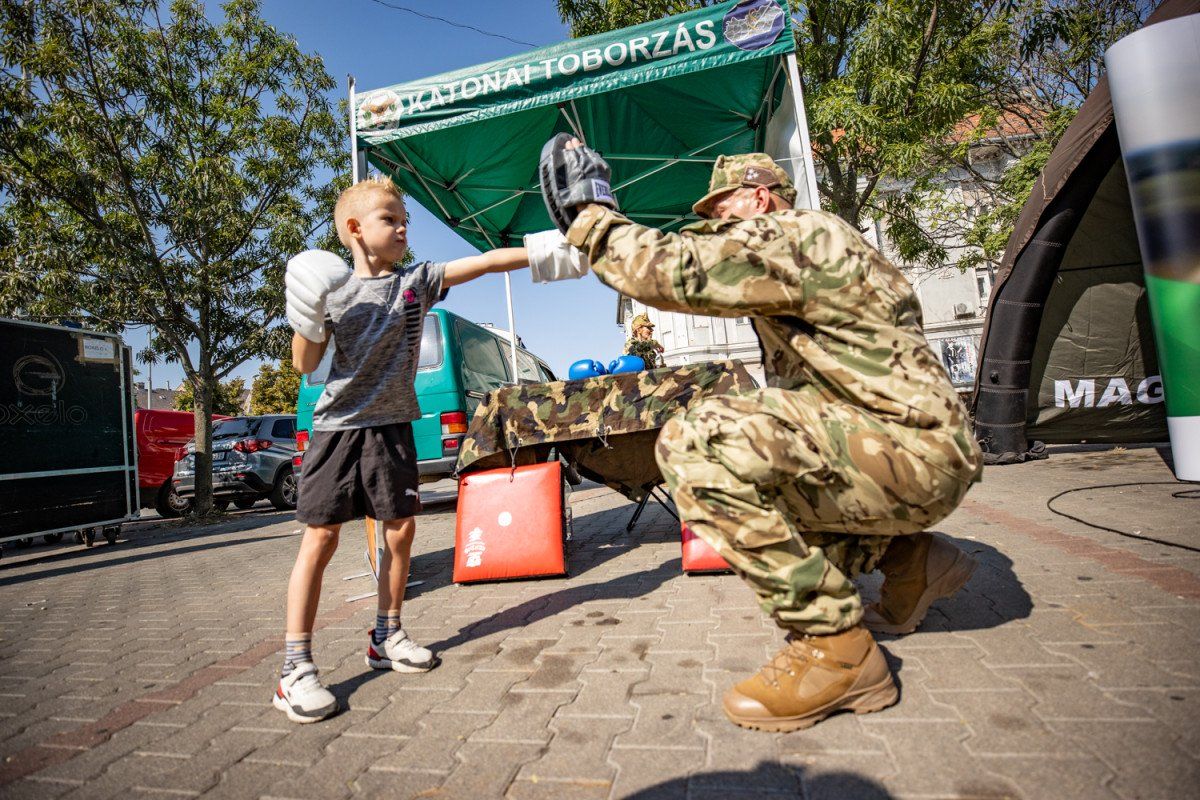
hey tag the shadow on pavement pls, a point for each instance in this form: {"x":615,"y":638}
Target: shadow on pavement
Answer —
{"x":585,"y":555}
{"x":548,"y":605}
{"x":76,"y":559}
{"x":774,"y":780}
{"x":993,"y":596}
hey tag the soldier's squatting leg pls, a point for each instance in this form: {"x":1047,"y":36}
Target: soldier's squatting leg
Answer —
{"x":723,"y":462}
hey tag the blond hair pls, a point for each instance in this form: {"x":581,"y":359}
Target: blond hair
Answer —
{"x":359,"y":199}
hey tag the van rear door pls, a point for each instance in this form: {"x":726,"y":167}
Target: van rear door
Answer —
{"x":437,"y":389}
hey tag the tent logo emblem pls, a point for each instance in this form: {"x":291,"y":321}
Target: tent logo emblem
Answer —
{"x":754,"y":24}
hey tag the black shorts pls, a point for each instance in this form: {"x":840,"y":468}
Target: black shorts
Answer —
{"x":363,"y":472}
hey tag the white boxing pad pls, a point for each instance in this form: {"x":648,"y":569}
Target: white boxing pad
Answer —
{"x":309,"y":279}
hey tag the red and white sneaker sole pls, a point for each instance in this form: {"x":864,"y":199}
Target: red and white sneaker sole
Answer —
{"x":281,"y":703}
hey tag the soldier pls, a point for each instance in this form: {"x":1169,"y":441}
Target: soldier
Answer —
{"x":643,"y":344}
{"x":857,"y":445}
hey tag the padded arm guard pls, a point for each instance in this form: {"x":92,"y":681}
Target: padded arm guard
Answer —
{"x":572,"y":178}
{"x":552,"y":258}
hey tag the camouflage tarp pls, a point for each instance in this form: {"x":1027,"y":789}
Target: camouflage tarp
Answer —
{"x":606,"y":426}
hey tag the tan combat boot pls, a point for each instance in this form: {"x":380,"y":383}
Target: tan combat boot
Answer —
{"x":917,"y":570}
{"x":811,"y":678}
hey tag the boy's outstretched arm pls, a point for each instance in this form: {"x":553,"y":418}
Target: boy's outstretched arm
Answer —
{"x":504,"y":259}
{"x":306,"y":355}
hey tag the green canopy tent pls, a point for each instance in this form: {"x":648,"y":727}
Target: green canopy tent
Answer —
{"x":660,"y":101}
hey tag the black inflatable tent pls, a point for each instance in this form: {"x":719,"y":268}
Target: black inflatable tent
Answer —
{"x":1067,"y":353}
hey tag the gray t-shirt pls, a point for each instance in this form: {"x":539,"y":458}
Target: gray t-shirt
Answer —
{"x":376,"y":325}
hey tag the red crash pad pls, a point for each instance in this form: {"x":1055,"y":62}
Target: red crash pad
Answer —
{"x":698,"y":556}
{"x":510,"y":524}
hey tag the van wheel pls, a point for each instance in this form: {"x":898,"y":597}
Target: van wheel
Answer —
{"x":170,"y":505}
{"x":222,"y":504}
{"x":52,"y":538}
{"x":283,"y":493}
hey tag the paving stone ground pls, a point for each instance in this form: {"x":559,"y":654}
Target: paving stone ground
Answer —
{"x":1066,"y":669}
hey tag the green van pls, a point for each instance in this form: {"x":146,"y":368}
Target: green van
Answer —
{"x":459,"y":362}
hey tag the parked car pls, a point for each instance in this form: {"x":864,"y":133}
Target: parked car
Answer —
{"x":252,"y":460}
{"x":460,"y":361}
{"x":160,"y":436}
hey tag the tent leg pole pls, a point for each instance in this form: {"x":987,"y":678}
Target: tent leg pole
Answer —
{"x":512,"y":325}
{"x":354,"y":173}
{"x":810,"y":173}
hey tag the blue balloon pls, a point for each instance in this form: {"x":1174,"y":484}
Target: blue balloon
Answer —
{"x":627,"y":364}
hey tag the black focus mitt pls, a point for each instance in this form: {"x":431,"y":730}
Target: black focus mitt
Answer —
{"x":572,"y":178}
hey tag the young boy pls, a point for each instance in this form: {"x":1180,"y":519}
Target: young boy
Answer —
{"x":362,"y":460}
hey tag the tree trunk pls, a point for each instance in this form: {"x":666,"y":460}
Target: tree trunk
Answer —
{"x":202,"y":406}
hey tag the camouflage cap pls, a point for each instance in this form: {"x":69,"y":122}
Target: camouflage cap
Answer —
{"x":750,"y":169}
{"x":641,"y":321}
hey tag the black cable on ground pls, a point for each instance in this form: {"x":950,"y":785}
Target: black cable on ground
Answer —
{"x":1185,"y":494}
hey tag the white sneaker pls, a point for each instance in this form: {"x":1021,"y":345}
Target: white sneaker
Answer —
{"x":301,"y":696}
{"x":399,"y":653}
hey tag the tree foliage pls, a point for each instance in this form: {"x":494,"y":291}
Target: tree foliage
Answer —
{"x":275,"y":388}
{"x":1045,"y":68}
{"x":900,"y":93}
{"x":159,"y":167}
{"x":227,"y":399}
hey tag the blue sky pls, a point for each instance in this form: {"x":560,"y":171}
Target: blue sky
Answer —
{"x":560,"y":322}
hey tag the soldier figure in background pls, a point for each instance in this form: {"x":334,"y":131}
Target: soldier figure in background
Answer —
{"x":857,"y":445}
{"x":643,"y":344}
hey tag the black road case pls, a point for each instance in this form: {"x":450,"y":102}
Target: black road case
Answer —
{"x":68,"y":458}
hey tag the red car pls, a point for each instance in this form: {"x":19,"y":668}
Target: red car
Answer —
{"x":160,"y":434}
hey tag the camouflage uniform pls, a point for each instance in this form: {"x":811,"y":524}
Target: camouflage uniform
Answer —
{"x":859,"y":436}
{"x":645,"y":349}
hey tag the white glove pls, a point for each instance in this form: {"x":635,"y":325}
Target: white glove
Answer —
{"x":553,"y":258}
{"x":310,"y":277}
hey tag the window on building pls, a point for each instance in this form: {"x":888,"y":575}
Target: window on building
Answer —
{"x":626,"y":309}
{"x":984,"y":282}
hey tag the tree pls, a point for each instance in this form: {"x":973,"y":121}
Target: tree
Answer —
{"x":160,"y":169}
{"x":1046,"y":67}
{"x":883,"y":81}
{"x":147,"y":358}
{"x":226,"y":398}
{"x":275,"y":389}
